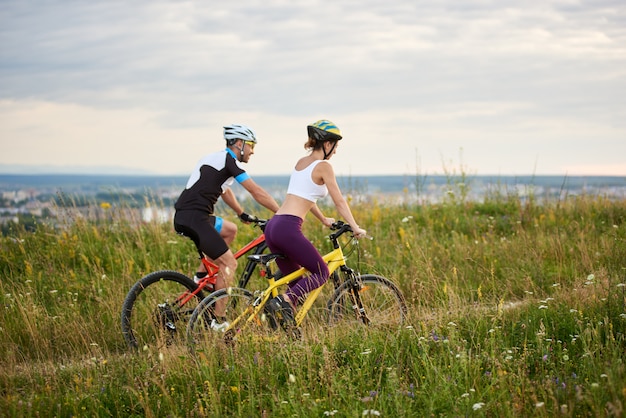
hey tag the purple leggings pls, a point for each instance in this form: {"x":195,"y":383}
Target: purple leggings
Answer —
{"x":283,"y":235}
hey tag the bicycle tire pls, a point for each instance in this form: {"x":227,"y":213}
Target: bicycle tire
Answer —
{"x":200,"y":334}
{"x":154,"y":296}
{"x":382,"y":301}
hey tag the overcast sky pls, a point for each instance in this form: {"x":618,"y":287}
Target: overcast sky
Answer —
{"x":417,"y":87}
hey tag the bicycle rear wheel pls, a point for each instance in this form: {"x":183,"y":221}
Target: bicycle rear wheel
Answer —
{"x":223,"y":306}
{"x":153,"y":314}
{"x":368,"y":299}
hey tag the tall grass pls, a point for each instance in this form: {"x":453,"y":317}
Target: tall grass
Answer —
{"x":517,"y":308}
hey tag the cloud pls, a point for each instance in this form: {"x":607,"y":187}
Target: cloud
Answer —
{"x":434,"y":76}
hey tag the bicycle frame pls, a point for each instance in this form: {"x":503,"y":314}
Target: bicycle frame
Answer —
{"x":213,"y":269}
{"x":334,"y":259}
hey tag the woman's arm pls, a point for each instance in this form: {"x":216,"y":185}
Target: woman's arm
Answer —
{"x":328,"y":176}
{"x":315,"y":210}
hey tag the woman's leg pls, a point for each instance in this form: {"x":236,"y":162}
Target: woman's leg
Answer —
{"x":285,"y":237}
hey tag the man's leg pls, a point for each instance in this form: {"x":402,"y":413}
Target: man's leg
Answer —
{"x":228,"y":232}
{"x":228,"y":265}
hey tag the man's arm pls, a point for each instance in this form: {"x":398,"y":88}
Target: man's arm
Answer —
{"x":260,"y":195}
{"x":229,"y":198}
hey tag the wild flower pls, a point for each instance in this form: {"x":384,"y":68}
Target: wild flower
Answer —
{"x":371,"y":412}
{"x":330,"y":413}
{"x":539,"y":404}
{"x":478,"y":405}
{"x":292,"y":378}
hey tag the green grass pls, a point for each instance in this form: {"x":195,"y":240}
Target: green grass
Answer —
{"x":516,"y":308}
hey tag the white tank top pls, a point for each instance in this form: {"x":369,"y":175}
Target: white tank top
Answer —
{"x":301,"y":184}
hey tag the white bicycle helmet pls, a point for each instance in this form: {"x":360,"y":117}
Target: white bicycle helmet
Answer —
{"x":235,"y":131}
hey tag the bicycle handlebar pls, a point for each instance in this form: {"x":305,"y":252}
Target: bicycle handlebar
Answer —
{"x":341,"y":227}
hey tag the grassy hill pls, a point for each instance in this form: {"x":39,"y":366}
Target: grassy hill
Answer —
{"x":516,"y":308}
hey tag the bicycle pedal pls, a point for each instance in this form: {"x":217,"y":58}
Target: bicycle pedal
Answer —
{"x":219,"y":327}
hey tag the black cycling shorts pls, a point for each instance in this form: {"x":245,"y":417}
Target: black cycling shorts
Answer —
{"x":201,"y":228}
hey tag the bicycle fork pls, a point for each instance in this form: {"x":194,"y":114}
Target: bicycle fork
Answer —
{"x":356,"y":287}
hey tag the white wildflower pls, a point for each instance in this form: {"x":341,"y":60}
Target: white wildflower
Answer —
{"x":478,"y":406}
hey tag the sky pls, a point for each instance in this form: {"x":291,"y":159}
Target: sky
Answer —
{"x":490,"y":87}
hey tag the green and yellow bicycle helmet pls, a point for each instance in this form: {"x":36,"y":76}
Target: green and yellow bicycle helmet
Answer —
{"x":324,"y":130}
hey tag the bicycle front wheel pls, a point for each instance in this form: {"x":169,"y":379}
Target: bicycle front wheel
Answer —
{"x":210,"y":321}
{"x":157,"y":308}
{"x":368,"y":299}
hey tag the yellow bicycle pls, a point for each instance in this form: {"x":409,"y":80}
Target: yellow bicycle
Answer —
{"x":367,"y":299}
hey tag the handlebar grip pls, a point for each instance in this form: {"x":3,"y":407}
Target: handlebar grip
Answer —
{"x":248,"y":218}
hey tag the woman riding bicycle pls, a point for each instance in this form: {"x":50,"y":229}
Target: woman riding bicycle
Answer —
{"x":312,"y":178}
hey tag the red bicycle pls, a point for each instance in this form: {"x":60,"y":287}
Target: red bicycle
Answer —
{"x":157,"y":308}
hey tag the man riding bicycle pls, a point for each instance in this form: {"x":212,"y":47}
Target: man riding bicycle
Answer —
{"x":210,"y":180}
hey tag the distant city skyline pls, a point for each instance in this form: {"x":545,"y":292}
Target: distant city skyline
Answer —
{"x":491,"y":88}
